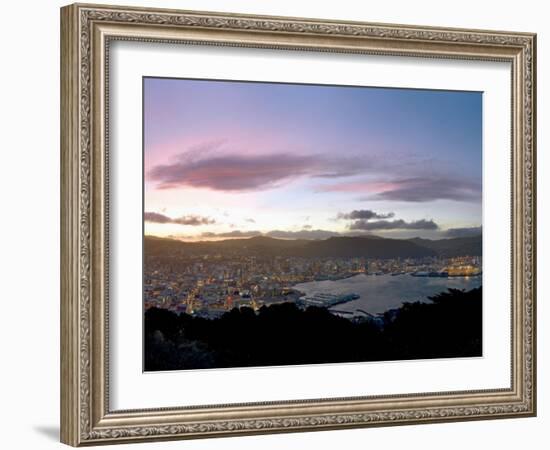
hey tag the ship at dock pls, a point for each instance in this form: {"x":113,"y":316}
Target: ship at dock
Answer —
{"x":326,"y":300}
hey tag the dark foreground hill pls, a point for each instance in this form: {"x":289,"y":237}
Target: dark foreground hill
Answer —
{"x":368,"y":246}
{"x":448,"y":326}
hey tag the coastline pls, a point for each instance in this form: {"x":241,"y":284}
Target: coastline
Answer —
{"x":381,"y":293}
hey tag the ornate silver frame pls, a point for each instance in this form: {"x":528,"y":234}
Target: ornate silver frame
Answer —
{"x":86,"y":31}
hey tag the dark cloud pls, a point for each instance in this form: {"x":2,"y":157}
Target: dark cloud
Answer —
{"x":192,"y":220}
{"x":307,"y":227}
{"x":250,"y":220}
{"x":240,"y":172}
{"x":393,"y":225}
{"x":462,"y":232}
{"x":425,"y":189}
{"x":366,"y":214}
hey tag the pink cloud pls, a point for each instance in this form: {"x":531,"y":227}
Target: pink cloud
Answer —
{"x":363,"y":187}
{"x":241,"y":172}
{"x":414,"y":189}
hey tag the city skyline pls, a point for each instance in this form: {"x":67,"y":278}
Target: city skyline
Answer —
{"x":229,"y":159}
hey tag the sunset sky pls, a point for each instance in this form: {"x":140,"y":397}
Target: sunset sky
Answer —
{"x":225,"y":159}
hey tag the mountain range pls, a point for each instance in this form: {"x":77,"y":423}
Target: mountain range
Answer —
{"x":364,"y":246}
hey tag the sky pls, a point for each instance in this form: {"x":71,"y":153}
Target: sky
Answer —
{"x":229,"y":159}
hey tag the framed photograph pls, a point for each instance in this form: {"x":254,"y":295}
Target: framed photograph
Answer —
{"x":276,"y":224}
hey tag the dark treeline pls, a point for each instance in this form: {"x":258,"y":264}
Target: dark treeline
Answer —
{"x":449,"y":325}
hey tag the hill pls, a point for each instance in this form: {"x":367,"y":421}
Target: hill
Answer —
{"x":371,"y":247}
{"x":462,"y":246}
{"x":367,"y":246}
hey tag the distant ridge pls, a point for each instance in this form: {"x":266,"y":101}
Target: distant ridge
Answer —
{"x":339,"y":246}
{"x":461,"y":246}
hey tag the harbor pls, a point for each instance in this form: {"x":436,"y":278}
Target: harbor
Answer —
{"x":326,"y":299}
{"x":377,"y":294}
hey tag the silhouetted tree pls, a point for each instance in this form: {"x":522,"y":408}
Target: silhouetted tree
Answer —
{"x":448,"y":325}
